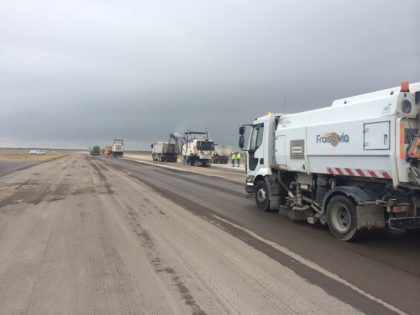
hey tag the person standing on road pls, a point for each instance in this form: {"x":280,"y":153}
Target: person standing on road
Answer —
{"x":238,"y":158}
{"x":233,"y":158}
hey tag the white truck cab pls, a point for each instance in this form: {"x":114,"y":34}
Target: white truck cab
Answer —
{"x":118,"y":148}
{"x":197,"y":148}
{"x":354,"y":165}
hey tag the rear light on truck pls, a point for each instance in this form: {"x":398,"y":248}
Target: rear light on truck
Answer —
{"x":399,"y":208}
{"x":402,"y":141}
{"x":414,"y":150}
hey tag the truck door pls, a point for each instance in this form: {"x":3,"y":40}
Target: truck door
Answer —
{"x":256,"y":151}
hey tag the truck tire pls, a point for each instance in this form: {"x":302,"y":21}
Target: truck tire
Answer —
{"x":342,"y":218}
{"x":262,"y":196}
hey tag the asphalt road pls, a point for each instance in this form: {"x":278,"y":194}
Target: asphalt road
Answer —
{"x":7,"y":167}
{"x":82,"y":235}
{"x":385,"y":266}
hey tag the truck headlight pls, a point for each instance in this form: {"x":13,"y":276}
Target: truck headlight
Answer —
{"x":249,"y":179}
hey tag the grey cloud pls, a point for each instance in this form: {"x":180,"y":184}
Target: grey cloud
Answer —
{"x":75,"y":73}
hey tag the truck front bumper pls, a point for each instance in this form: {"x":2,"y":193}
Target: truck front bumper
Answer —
{"x":249,"y":186}
{"x":404,"y":223}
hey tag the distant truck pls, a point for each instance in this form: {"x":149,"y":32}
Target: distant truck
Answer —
{"x":95,"y":150}
{"x":221,"y":154}
{"x":107,"y":151}
{"x":197,"y":148}
{"x":118,"y":148}
{"x":164,"y":152}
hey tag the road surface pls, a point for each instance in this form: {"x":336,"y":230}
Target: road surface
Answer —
{"x":82,"y":235}
{"x":7,"y":167}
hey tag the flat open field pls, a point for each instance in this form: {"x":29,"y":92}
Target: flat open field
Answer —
{"x":23,"y":155}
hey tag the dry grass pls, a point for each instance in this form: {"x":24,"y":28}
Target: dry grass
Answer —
{"x":23,"y":155}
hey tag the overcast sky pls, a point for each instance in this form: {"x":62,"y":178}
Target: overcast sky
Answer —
{"x":77,"y":73}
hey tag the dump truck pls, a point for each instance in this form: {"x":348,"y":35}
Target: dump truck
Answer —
{"x":164,"y":152}
{"x":197,"y":148}
{"x":95,"y":150}
{"x":353,"y":166}
{"x":107,"y":151}
{"x":222,"y":153}
{"x":118,"y":148}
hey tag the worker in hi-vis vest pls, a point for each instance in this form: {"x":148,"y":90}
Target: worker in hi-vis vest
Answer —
{"x":233,"y":158}
{"x":238,"y":158}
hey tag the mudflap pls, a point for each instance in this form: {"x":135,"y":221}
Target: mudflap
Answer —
{"x":370,"y":217}
{"x":274,"y":198}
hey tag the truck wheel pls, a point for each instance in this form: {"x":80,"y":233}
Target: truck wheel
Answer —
{"x":262,"y":196}
{"x":342,"y":218}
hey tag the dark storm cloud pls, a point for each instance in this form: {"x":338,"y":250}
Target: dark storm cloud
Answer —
{"x":75,"y":73}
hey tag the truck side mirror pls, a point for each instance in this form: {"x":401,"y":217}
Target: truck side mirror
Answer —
{"x":242,"y":130}
{"x":151,"y":145}
{"x":241,"y":142}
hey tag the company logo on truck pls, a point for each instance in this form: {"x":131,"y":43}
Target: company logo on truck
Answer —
{"x":332,"y":138}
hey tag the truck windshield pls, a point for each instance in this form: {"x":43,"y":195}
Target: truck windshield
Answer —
{"x":257,"y":137}
{"x":205,"y":145}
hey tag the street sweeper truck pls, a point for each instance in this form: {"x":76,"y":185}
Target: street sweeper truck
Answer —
{"x":354,"y":166}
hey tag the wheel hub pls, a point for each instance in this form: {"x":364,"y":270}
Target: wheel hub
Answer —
{"x":341,"y":218}
{"x":262,"y":195}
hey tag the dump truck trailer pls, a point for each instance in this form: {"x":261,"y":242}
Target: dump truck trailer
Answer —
{"x":107,"y":151}
{"x":164,"y":152}
{"x":118,"y":148}
{"x":222,"y":153}
{"x":95,"y":150}
{"x":353,"y":166}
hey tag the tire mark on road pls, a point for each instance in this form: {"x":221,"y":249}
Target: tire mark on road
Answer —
{"x":349,"y":294}
{"x":147,"y":242}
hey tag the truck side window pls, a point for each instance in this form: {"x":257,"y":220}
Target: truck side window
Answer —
{"x":260,"y":136}
{"x":257,"y":137}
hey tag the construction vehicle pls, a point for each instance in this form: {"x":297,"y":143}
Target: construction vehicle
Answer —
{"x":221,"y":154}
{"x":95,"y":150}
{"x":107,"y":151}
{"x":353,"y":166}
{"x":197,"y":148}
{"x":118,"y":148}
{"x":164,"y":152}
{"x":176,"y":139}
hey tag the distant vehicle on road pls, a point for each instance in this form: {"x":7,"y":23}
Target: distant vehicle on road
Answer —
{"x":164,"y":152}
{"x":107,"y":150}
{"x":118,"y":148}
{"x":95,"y":150}
{"x":197,"y":148}
{"x":221,"y":153}
{"x":36,"y":152}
